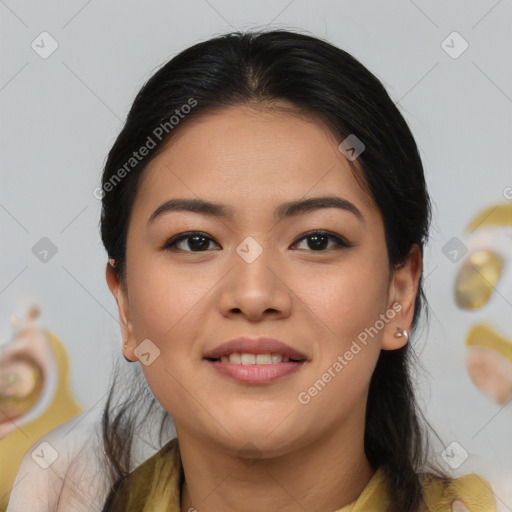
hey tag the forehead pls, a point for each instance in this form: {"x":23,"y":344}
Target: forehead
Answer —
{"x":253,"y":156}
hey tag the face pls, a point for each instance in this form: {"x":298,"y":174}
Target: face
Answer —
{"x":256,"y":274}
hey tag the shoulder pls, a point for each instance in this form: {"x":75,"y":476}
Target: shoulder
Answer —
{"x":157,"y":478}
{"x":466,"y":493}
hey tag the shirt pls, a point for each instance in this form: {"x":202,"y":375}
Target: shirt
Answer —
{"x":155,"y":486}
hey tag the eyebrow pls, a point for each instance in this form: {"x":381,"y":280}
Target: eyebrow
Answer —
{"x":284,"y":211}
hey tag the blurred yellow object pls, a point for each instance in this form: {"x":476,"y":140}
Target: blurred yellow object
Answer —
{"x":497,"y":215}
{"x":20,"y":387}
{"x":477,"y":278}
{"x":61,"y":408}
{"x":485,"y":279}
{"x":483,"y":335}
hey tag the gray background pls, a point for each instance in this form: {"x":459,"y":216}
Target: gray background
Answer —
{"x":61,"y":114}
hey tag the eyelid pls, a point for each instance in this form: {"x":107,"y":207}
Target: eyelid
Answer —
{"x":169,"y":243}
{"x":339,"y":240}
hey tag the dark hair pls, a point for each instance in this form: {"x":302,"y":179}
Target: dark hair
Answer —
{"x":326,"y":82}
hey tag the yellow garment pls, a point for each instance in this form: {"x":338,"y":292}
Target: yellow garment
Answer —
{"x":155,"y":486}
{"x":62,"y":408}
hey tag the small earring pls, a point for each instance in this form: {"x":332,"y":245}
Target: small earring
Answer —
{"x":112,"y":262}
{"x":126,"y":346}
{"x":401,"y":332}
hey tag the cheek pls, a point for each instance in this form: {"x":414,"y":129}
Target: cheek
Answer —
{"x":344,"y":305}
{"x":347,"y":300}
{"x":166,"y":309}
{"x":165,"y":300}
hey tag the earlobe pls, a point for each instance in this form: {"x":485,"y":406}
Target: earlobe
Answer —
{"x":395,"y":335}
{"x":121,"y":296}
{"x":403,"y":290}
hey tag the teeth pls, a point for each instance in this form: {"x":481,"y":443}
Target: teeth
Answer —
{"x":263,"y":359}
{"x":246,"y":359}
{"x":235,"y":358}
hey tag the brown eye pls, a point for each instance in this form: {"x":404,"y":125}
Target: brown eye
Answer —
{"x":317,"y":241}
{"x":192,"y":241}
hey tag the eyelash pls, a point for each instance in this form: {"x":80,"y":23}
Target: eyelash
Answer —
{"x":340,"y":242}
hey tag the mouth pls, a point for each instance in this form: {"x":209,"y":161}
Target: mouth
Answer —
{"x":255,"y":361}
{"x":255,"y":373}
{"x":247,"y":358}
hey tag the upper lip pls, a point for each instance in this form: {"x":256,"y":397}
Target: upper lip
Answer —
{"x":255,"y":346}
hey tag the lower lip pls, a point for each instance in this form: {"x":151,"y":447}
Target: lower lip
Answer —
{"x":256,"y":373}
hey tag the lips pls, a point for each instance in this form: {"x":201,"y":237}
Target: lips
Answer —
{"x":255,"y":346}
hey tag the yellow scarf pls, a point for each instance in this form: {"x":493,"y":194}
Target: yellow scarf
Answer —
{"x":155,"y":486}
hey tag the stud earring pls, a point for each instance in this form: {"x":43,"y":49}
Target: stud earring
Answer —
{"x":401,"y":332}
{"x":126,"y":346}
{"x":112,"y":262}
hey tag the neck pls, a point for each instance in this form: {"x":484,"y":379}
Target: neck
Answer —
{"x":324,"y":475}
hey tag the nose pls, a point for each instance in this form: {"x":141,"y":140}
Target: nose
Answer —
{"x":256,"y":289}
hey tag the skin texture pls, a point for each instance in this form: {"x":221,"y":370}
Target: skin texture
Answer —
{"x":308,"y":457}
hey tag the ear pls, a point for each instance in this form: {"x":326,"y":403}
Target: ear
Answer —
{"x":403,"y":289}
{"x":120,"y":293}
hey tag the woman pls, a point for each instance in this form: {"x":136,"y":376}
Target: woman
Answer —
{"x":265,"y":213}
{"x":282,"y":196}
